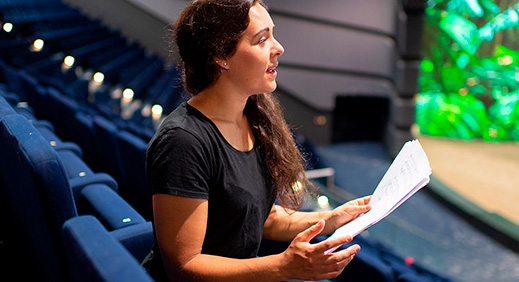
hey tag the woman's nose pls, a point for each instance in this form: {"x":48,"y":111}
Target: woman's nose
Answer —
{"x":278,"y":49}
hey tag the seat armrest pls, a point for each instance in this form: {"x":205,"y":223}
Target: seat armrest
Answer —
{"x":105,"y":204}
{"x":137,"y":238}
{"x":79,"y":183}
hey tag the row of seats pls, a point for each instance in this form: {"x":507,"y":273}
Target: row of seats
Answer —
{"x":95,"y":247}
{"x":83,"y":231}
{"x":379,"y":263}
{"x":48,"y":196}
{"x":103,"y":231}
{"x":374,"y":262}
{"x":108,"y":147}
{"x":94,"y":48}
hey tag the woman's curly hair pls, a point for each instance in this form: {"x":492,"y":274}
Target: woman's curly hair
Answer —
{"x":210,"y":29}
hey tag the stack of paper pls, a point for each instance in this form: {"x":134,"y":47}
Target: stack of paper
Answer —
{"x":409,"y":172}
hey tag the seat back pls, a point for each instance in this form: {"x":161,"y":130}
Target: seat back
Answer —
{"x":132,"y":150}
{"x":5,"y":108}
{"x":34,"y":94}
{"x":105,"y":132}
{"x":94,"y":255}
{"x":38,"y":192}
{"x":9,"y":76}
{"x":85,"y":139}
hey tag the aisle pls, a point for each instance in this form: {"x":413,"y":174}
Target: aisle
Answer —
{"x":421,"y":228}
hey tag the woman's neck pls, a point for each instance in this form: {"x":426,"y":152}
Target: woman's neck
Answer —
{"x":226,"y":111}
{"x":220,"y":103}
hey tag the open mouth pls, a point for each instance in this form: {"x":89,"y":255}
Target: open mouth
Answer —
{"x":272,"y":70}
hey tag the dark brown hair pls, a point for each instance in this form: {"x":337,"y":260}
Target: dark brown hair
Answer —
{"x":210,"y":29}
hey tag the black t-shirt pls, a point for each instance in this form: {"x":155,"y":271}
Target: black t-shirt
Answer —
{"x":189,"y":157}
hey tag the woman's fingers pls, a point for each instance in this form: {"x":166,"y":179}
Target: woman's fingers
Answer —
{"x":336,"y":262}
{"x":340,"y":259}
{"x":364,"y":200}
{"x":350,"y":211}
{"x":346,"y":254}
{"x":360,"y":209}
{"x":307,"y":235}
{"x":310,"y":232}
{"x":309,"y":261}
{"x":332,"y":243}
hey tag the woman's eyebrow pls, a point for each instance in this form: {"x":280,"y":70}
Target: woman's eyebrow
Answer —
{"x":267,"y":29}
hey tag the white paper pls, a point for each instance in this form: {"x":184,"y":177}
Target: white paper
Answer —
{"x":409,"y":172}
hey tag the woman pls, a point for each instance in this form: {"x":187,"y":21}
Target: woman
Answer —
{"x":219,"y":161}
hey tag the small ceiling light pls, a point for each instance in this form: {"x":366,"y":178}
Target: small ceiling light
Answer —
{"x":128,"y":94}
{"x":323,"y":201}
{"x":8,"y":27}
{"x":99,"y":77}
{"x":69,"y":61}
{"x":38,"y":45}
{"x":156,"y":110}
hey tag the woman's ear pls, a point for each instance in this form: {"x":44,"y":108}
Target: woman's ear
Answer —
{"x":222,"y":63}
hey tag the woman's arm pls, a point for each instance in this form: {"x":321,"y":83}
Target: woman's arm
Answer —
{"x":284,"y":225}
{"x":180,"y":226}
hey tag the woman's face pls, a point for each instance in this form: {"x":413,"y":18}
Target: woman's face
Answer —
{"x":252,"y":69}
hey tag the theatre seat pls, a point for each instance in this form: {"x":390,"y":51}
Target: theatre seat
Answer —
{"x":29,"y":168}
{"x":40,"y":197}
{"x":84,"y":137}
{"x":94,"y":255}
{"x":9,"y":96}
{"x":5,"y":108}
{"x":124,"y":222}
{"x":105,"y":132}
{"x":34,"y":94}
{"x":132,"y":153}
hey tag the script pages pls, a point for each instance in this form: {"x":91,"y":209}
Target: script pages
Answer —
{"x":409,"y":172}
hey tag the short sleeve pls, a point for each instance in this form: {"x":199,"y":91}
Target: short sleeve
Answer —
{"x":177,"y":164}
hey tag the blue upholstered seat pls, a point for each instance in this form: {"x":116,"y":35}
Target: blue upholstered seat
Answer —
{"x":115,"y":65}
{"x":97,"y":59}
{"x":11,"y":98}
{"x":94,"y":255}
{"x":83,"y":53}
{"x":39,"y":193}
{"x":34,"y":94}
{"x":62,"y":110}
{"x":9,"y":76}
{"x":122,"y":220}
{"x":5,"y":108}
{"x":80,"y":174}
{"x":34,"y":186}
{"x":98,"y":33}
{"x":105,"y":132}
{"x":84,"y":137}
{"x":132,"y":153}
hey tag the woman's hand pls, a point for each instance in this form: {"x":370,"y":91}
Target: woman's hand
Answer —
{"x":285,"y":226}
{"x":346,"y":213}
{"x":308,"y":261}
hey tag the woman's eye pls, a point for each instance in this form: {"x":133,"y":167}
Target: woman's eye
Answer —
{"x":263,"y":39}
